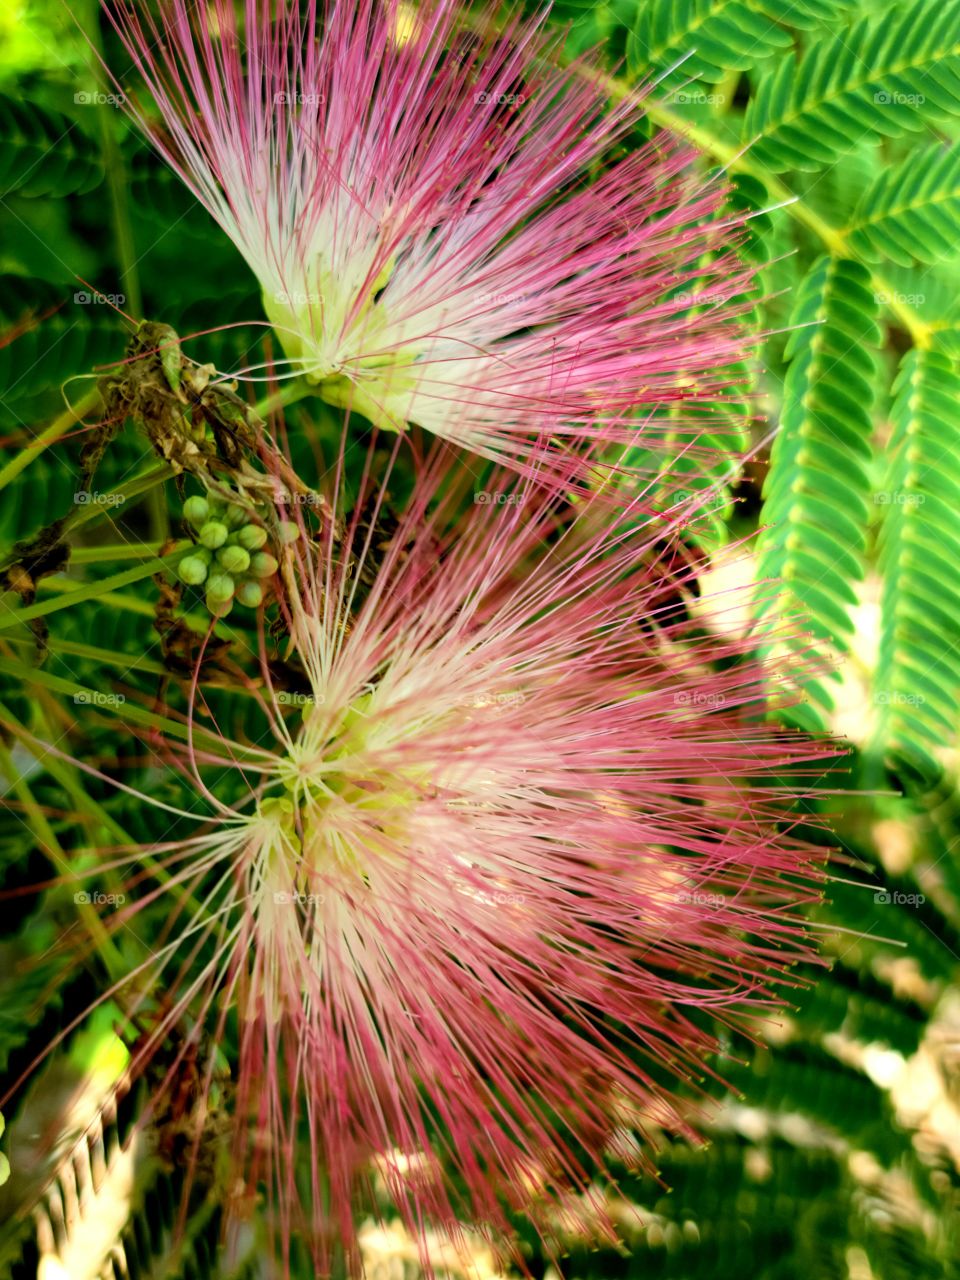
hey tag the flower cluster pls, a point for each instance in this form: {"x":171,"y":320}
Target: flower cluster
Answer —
{"x":514,"y":838}
{"x":441,"y":225}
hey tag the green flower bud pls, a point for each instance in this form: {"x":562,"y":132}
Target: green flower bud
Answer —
{"x":219,"y":587}
{"x":192,"y":571}
{"x":289,"y":532}
{"x":196,"y":510}
{"x":219,"y":608}
{"x":252,"y":537}
{"x":213,"y":534}
{"x":263,"y":565}
{"x":204,"y":554}
{"x":250,"y":594}
{"x":234,"y":559}
{"x":236,"y":516}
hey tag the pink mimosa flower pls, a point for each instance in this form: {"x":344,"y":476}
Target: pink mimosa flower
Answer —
{"x":441,"y":225}
{"x":513,"y":834}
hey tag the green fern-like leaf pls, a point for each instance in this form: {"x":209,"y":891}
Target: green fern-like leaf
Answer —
{"x":887,"y":915}
{"x":836,"y":192}
{"x":855,"y":1003}
{"x":935,"y":295}
{"x":49,"y":333}
{"x":912,"y":211}
{"x":593,"y":24}
{"x":918,"y":672}
{"x":44,"y":153}
{"x":888,"y":75}
{"x":723,"y":35}
{"x":161,"y":199}
{"x":716,"y":36}
{"x":816,"y":492}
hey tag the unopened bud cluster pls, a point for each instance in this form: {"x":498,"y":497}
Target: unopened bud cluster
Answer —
{"x":229,"y":559}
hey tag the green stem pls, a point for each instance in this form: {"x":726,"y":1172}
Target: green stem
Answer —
{"x":115,"y":173}
{"x":126,"y":249}
{"x":296,"y":389}
{"x":90,"y":592}
{"x":50,"y":435}
{"x":50,"y":846}
{"x":108,"y":657}
{"x":125,"y":661}
{"x":68,"y":776}
{"x":129,"y":712}
{"x":197,"y":622}
{"x":106,"y":552}
{"x":139,"y":485}
{"x":129,"y":603}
